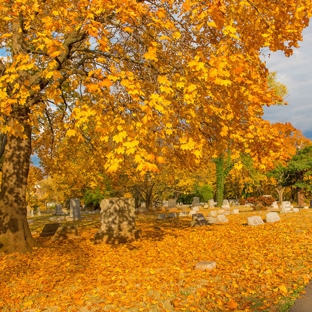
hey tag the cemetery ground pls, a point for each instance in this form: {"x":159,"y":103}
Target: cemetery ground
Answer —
{"x":259,"y":268}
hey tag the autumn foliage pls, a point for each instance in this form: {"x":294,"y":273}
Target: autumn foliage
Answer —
{"x":258,"y":268}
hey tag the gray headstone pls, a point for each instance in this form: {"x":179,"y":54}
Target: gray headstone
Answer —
{"x":172,"y":215}
{"x":172,"y":203}
{"x":66,"y":232}
{"x":49,"y":229}
{"x":161,"y":216}
{"x":58,"y":209}
{"x":195,"y":201}
{"x":198,"y":219}
{"x":74,"y":208}
{"x":117,"y":221}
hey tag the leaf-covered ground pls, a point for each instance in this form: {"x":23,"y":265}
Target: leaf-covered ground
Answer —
{"x":259,"y":268}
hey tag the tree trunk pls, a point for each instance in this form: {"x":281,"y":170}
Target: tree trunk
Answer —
{"x":300,"y":195}
{"x":219,"y":181}
{"x":280,"y":191}
{"x":149,"y":198}
{"x":15,"y":235}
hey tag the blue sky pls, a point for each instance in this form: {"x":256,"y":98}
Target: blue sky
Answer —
{"x":296,"y":73}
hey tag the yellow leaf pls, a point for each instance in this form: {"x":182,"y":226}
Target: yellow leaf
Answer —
{"x":150,"y":54}
{"x":283,"y":289}
{"x":55,"y":54}
{"x":71,"y":132}
{"x":232,"y":304}
{"x":106,"y":83}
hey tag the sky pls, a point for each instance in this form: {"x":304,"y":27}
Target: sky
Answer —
{"x":296,"y":73}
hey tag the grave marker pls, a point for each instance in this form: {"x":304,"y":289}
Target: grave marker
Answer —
{"x":255,"y":220}
{"x":272,"y":217}
{"x":74,"y":209}
{"x":195,"y":201}
{"x":49,"y":229}
{"x":117,"y":221}
{"x":222,"y":218}
{"x":172,"y":203}
{"x":198,"y":219}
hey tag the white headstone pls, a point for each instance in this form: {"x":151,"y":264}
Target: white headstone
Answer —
{"x":222,"y":218}
{"x":195,"y":208}
{"x":211,"y":203}
{"x":272,"y":217}
{"x":225,"y":204}
{"x":212,"y":220}
{"x":235,"y":211}
{"x":221,"y":211}
{"x":192,"y":212}
{"x":205,"y":265}
{"x":274,"y":205}
{"x":213,"y":213}
{"x":286,"y":207}
{"x":255,"y":220}
{"x":295,"y":209}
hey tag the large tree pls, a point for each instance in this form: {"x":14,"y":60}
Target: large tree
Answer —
{"x":140,"y":71}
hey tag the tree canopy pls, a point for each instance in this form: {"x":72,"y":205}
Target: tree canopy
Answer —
{"x":146,"y":80}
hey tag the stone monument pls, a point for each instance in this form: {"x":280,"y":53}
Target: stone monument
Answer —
{"x":117,"y":221}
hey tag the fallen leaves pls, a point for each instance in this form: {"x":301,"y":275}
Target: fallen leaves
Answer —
{"x":257,"y":268}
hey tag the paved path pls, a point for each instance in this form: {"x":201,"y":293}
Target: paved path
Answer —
{"x":304,"y":303}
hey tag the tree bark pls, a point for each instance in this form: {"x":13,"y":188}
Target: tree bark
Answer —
{"x":219,"y":180}
{"x":280,"y":191}
{"x":15,"y":235}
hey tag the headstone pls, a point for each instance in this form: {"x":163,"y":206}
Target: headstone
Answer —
{"x":31,"y":213}
{"x":286,"y":207}
{"x":225,"y":204}
{"x":220,"y":211}
{"x":211,"y":203}
{"x":195,"y":201}
{"x":235,"y":211}
{"x":222,"y":218}
{"x":183,"y":214}
{"x":212,"y":220}
{"x":28,"y":211}
{"x":165,"y":203}
{"x":58,"y":209}
{"x":171,"y":215}
{"x":74,"y":208}
{"x":192,"y":212}
{"x":213,"y":213}
{"x":295,"y":209}
{"x":161,"y":216}
{"x":206,"y":206}
{"x":272,"y":217}
{"x":198,"y":219}
{"x":38,"y":211}
{"x":205,"y":265}
{"x":66,"y":232}
{"x":195,"y":208}
{"x":255,"y":220}
{"x":172,"y":203}
{"x":117,"y":221}
{"x":274,"y":205}
{"x":49,"y":229}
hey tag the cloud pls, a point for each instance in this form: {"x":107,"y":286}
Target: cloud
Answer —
{"x":296,"y":73}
